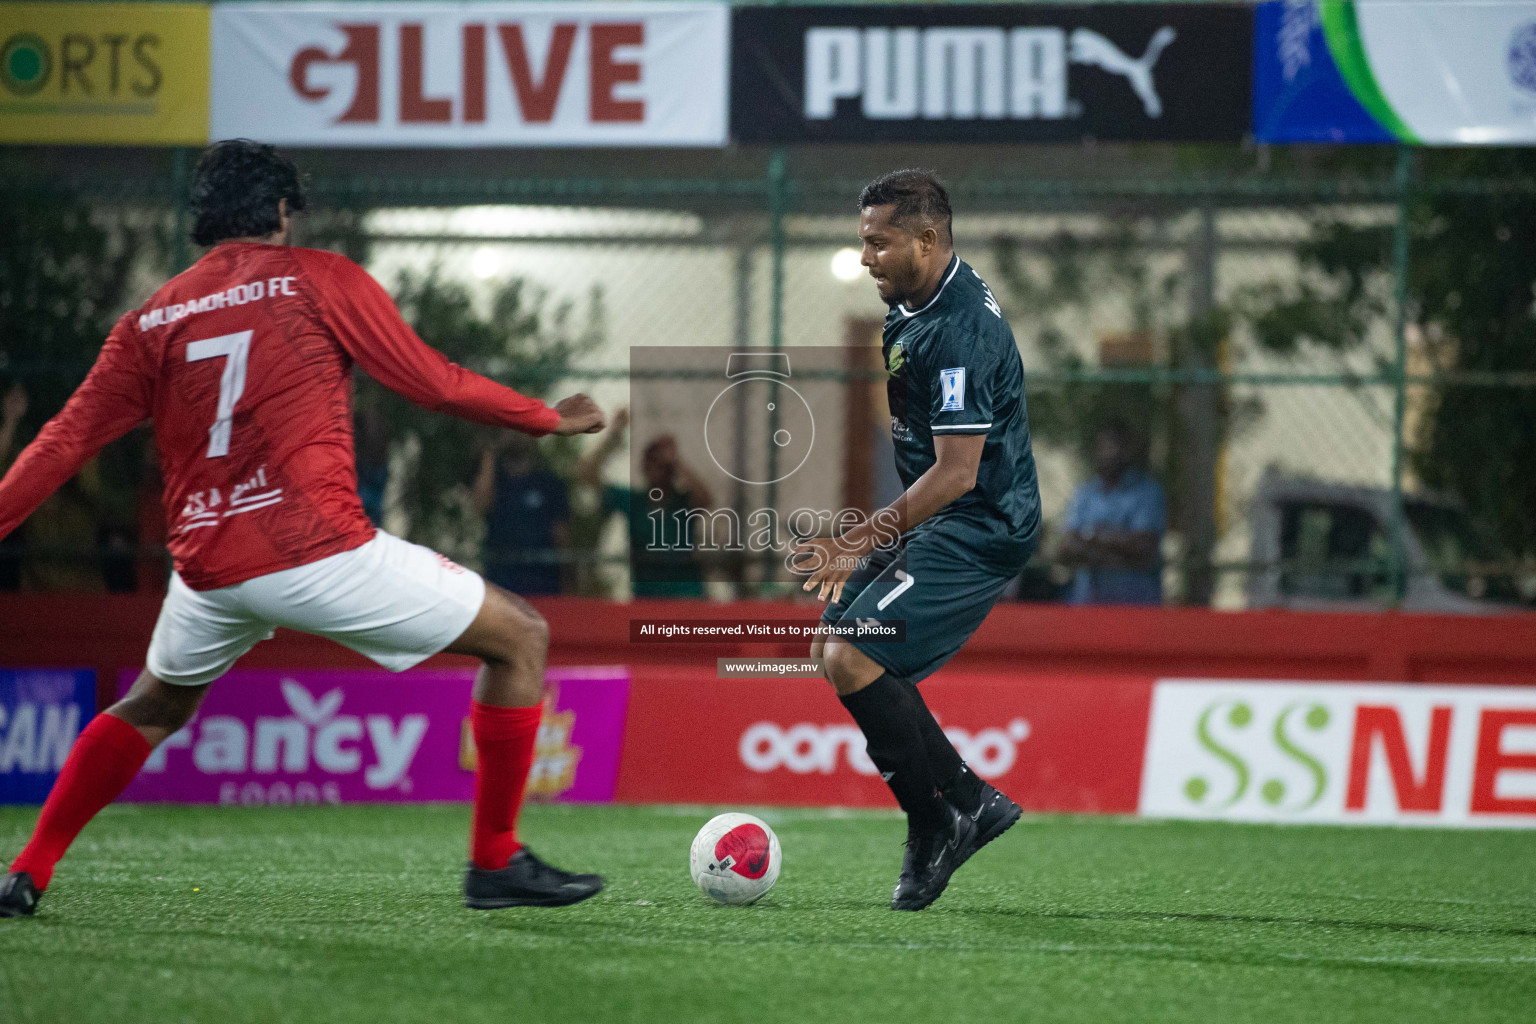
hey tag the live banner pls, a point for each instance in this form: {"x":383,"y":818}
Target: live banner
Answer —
{"x":991,"y":73}
{"x":482,"y":74}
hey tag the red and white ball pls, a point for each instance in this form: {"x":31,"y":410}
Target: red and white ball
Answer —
{"x":735,"y":859}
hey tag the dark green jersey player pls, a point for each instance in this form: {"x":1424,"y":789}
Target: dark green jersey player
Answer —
{"x":967,"y":523}
{"x":955,"y":371}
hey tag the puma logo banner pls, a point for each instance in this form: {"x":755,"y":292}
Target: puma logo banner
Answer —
{"x":991,"y":73}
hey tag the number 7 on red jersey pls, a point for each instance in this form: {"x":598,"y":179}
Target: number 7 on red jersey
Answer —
{"x":236,"y":348}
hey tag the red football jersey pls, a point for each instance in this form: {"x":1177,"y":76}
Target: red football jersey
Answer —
{"x":244,"y":365}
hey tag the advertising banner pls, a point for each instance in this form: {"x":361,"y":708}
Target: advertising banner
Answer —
{"x":1333,"y":752}
{"x":41,"y":712}
{"x":104,"y":73}
{"x":1060,"y":744}
{"x":471,"y":74}
{"x":990,"y":73}
{"x":1441,"y":72}
{"x":326,"y":736}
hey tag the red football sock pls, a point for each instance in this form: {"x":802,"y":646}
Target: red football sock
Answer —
{"x":106,"y":757}
{"x":504,"y":743}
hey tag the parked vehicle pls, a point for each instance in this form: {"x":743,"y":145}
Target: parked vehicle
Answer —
{"x":1329,"y":546}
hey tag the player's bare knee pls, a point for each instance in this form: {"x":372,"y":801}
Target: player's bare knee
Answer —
{"x":844,"y":668}
{"x":528,"y":632}
{"x":508,"y":629}
{"x":849,"y":669}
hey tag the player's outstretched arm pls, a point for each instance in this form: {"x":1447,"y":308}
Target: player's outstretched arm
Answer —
{"x":114,"y":398}
{"x":364,"y":319}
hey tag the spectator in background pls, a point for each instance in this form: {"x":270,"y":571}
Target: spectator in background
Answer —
{"x":12,"y":409}
{"x":1114,"y":526}
{"x":671,"y":567}
{"x":527,"y":517}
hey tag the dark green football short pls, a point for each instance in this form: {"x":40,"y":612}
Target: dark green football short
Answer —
{"x":932,"y":581}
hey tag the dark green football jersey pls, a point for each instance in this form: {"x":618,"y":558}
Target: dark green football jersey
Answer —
{"x":954,"y":369}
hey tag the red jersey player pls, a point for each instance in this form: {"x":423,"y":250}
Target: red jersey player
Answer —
{"x":243,"y":364}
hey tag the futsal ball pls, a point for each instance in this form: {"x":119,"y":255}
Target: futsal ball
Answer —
{"x":735,"y":859}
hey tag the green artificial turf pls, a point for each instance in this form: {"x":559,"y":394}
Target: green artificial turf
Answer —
{"x":352,"y":914}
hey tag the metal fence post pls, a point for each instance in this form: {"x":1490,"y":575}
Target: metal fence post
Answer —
{"x":181,"y":198}
{"x":1402,"y":184}
{"x":778,"y":204}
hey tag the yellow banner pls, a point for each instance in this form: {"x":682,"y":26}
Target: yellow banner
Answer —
{"x":133,"y":74}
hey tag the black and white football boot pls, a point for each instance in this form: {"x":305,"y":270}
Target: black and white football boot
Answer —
{"x":526,"y":881}
{"x":993,"y":815}
{"x":932,"y":856}
{"x":18,"y":896}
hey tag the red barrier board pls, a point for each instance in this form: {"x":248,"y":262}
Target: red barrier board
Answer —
{"x":1058,"y":743}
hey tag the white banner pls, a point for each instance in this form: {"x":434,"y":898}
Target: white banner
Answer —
{"x":473,"y":74}
{"x":1332,"y":752}
{"x":1460,"y":73}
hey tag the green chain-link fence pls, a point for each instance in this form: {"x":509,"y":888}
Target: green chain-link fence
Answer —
{"x":1265,"y":335}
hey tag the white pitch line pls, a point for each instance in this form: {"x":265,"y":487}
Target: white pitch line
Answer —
{"x":1407,"y":960}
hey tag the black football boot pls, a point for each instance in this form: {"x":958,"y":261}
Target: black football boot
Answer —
{"x":932,"y":856}
{"x":18,"y":896}
{"x":526,"y":881}
{"x":993,"y":814}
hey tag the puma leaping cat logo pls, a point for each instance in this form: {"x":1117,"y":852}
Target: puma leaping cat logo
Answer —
{"x":1088,"y":47}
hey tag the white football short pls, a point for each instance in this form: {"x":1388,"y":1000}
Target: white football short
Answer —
{"x":395,"y":602}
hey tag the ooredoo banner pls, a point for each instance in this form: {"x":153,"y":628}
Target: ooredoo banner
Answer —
{"x":1060,"y":744}
{"x":325,"y":736}
{"x":42,"y":711}
{"x":1446,"y":72}
{"x":1352,"y":753}
{"x":471,"y":74}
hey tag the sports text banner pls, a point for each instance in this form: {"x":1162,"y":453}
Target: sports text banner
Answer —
{"x":1441,"y":72}
{"x":480,"y":74}
{"x":104,"y":73}
{"x":990,"y":73}
{"x":41,"y":713}
{"x":1342,"y":752}
{"x":324,"y":736}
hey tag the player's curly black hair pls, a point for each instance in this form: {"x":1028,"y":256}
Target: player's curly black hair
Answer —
{"x":919,"y":197}
{"x":236,"y":189}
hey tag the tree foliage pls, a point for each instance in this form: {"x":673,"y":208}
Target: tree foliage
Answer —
{"x":1471,"y":298}
{"x":1472,"y":282}
{"x":525,"y":339}
{"x":66,"y":272}
{"x":1073,"y":276}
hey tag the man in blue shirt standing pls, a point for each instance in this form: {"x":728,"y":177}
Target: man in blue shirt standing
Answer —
{"x":527,"y":517}
{"x":1114,"y":526}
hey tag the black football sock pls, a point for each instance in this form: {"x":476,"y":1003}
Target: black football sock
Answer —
{"x":955,"y":779}
{"x":964,"y":790}
{"x":886,"y":716}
